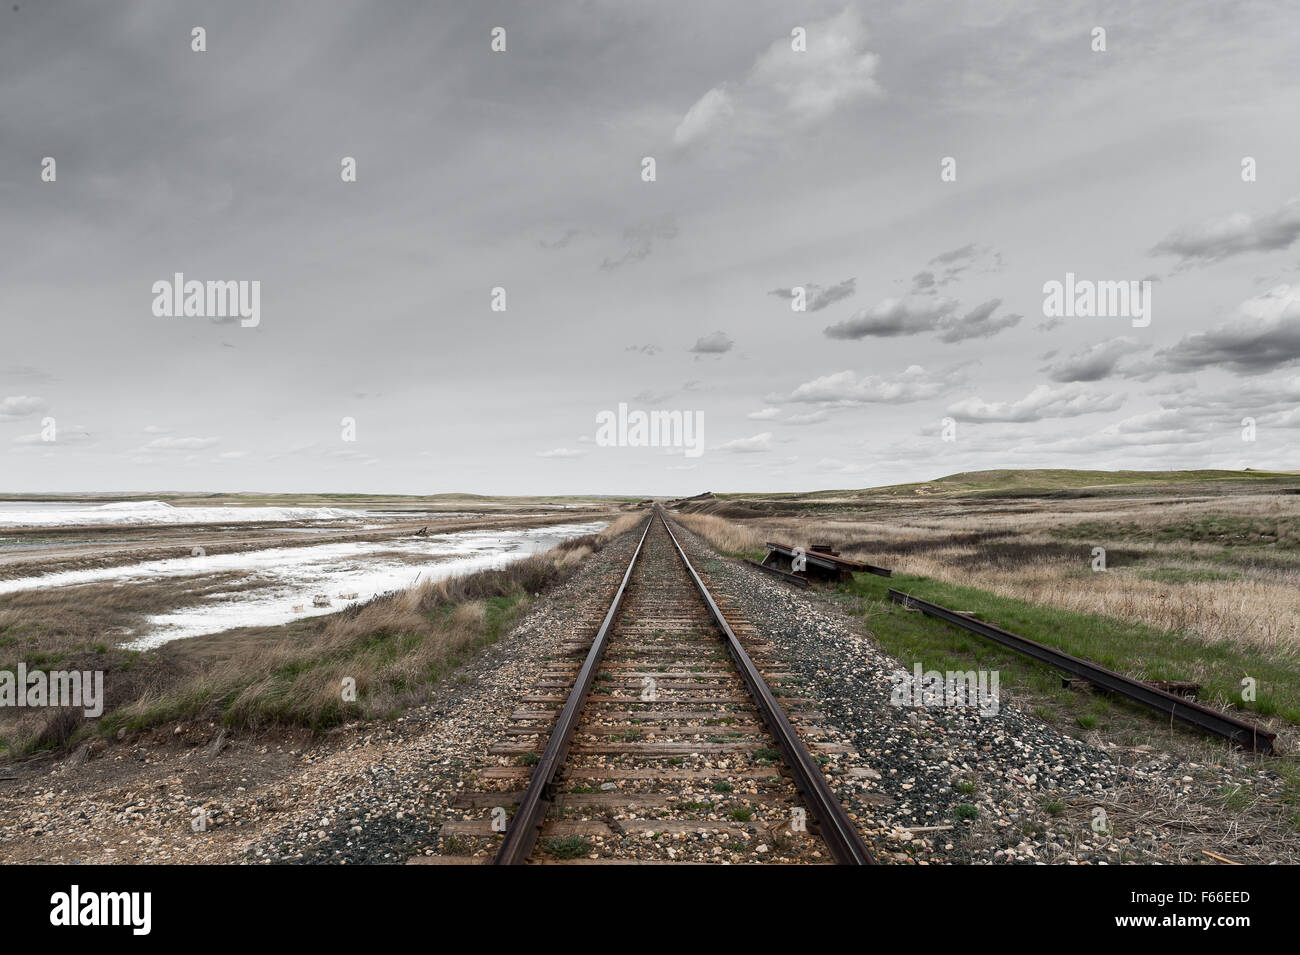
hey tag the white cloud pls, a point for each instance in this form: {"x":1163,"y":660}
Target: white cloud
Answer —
{"x":20,"y":406}
{"x":759,"y":442}
{"x":845,"y":388}
{"x":786,"y":90}
{"x":810,"y":417}
{"x":179,"y":444}
{"x":1043,"y":402}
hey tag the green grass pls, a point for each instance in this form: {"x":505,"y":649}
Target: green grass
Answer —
{"x":567,"y":847}
{"x":1227,"y":530}
{"x":1236,"y":798}
{"x":1130,"y":648}
{"x":692,"y":806}
{"x":1186,"y":575}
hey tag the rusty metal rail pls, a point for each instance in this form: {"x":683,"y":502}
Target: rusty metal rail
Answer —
{"x":833,"y":823}
{"x":1246,"y":734}
{"x":527,"y":822}
{"x":781,"y":574}
{"x":832,"y":564}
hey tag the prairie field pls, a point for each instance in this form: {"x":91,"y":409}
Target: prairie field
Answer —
{"x":1222,"y":567}
{"x":1157,"y":576}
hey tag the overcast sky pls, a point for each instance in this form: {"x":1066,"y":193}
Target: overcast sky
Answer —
{"x":523,"y":169}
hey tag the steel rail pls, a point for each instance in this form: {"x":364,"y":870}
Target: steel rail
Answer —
{"x":833,"y":823}
{"x":1194,"y":714}
{"x":788,"y":578}
{"x":829,"y":561}
{"x":524,"y":828}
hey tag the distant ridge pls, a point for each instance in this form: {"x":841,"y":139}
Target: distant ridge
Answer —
{"x":1056,"y":482}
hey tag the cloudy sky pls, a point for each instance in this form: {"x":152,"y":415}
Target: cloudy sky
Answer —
{"x":775,"y":169}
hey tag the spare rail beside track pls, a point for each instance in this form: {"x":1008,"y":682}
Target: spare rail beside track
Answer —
{"x":822,"y":563}
{"x":780,"y":574}
{"x":1245,"y":734}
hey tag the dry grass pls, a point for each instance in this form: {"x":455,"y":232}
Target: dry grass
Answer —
{"x":370,"y":660}
{"x":1222,"y":569}
{"x":391,"y":650}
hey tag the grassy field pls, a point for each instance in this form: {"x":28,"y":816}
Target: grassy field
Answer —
{"x":1133,"y":649}
{"x":1201,"y":582}
{"x":1218,"y":568}
{"x":1194,"y":586}
{"x":393,"y":649}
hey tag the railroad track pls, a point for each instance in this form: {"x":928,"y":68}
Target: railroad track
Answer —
{"x":660,"y":737}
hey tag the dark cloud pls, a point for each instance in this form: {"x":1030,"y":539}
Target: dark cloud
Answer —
{"x":978,"y":323}
{"x":1094,"y":362}
{"x":1219,"y":238}
{"x":915,"y":314}
{"x":716,"y":344}
{"x":922,"y":282}
{"x":1263,"y":334}
{"x":955,"y":255}
{"x":893,"y":317}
